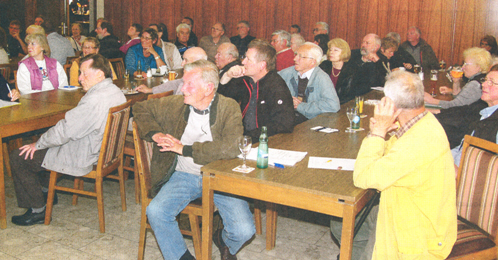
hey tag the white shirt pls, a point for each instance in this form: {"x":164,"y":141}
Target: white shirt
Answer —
{"x":24,"y":78}
{"x":4,"y":58}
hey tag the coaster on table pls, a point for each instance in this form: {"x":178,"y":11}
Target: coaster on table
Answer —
{"x":242,"y":170}
{"x":357,"y":130}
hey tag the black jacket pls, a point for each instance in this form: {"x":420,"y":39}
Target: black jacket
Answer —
{"x":109,"y":47}
{"x":235,"y":88}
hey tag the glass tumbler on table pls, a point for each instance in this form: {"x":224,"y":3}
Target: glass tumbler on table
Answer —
{"x":126,"y":75}
{"x":351,"y":113}
{"x":245,"y":144}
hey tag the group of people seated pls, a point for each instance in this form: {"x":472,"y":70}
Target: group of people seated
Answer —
{"x":235,"y":86}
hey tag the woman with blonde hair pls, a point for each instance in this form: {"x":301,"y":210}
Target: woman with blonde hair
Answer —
{"x":38,"y":72}
{"x":338,"y":55}
{"x":477,"y":63}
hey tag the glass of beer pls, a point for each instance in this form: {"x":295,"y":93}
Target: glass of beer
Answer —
{"x":416,"y":69}
{"x":457,"y":72}
{"x":172,"y":75}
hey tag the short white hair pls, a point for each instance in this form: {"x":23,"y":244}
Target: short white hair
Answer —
{"x":313,"y":50}
{"x":405,"y":89}
{"x":209,"y":71}
{"x":299,"y":38}
{"x":182,"y":26}
{"x":283,"y":35}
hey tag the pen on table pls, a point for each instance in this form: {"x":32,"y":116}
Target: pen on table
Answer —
{"x":277,"y":165}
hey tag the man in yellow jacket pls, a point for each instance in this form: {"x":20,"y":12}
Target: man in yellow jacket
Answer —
{"x":414,"y":172}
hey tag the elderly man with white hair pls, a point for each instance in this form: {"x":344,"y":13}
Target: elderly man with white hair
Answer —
{"x":311,"y":88}
{"x":281,"y":41}
{"x":296,"y":41}
{"x":182,"y":38}
{"x":321,"y":28}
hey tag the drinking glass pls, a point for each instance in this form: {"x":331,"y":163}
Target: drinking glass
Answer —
{"x":351,"y":113}
{"x":416,"y":69}
{"x":127,"y":75}
{"x":245,"y":143}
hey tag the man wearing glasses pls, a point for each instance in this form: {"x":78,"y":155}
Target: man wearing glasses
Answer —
{"x":17,"y":47}
{"x":311,"y":88}
{"x":210,"y":43}
{"x":243,"y":39}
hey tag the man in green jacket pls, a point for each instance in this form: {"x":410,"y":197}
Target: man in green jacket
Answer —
{"x":190,"y":131}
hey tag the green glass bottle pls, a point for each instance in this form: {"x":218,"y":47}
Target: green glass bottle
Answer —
{"x":262,"y":161}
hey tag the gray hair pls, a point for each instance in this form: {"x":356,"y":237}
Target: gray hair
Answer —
{"x":405,"y":89}
{"x":314,"y":51}
{"x":395,"y":36}
{"x":416,"y":29}
{"x":231,"y":49}
{"x":36,"y":29}
{"x":299,"y":38}
{"x":283,"y":35}
{"x":324,"y":25}
{"x":182,"y":26}
{"x":209,"y":71}
{"x":244,"y":22}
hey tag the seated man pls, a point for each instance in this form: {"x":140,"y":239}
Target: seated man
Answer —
{"x":134,"y":32}
{"x":420,"y":50}
{"x":485,"y":127}
{"x":401,"y":58}
{"x":191,"y":55}
{"x":243,"y":38}
{"x":321,"y":28}
{"x":109,"y":43}
{"x":281,"y":41}
{"x":192,"y":38}
{"x":71,"y":146}
{"x":311,"y":88}
{"x":361,"y":72}
{"x":190,"y":131}
{"x":182,"y":38}
{"x":227,"y":57}
{"x":16,"y":46}
{"x":60,"y":46}
{"x":414,"y":172}
{"x":270,"y":103}
{"x":210,"y":43}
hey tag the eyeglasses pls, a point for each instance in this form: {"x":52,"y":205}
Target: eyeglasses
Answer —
{"x":146,"y":38}
{"x":467,"y":64}
{"x":303,"y":57}
{"x":484,"y":80}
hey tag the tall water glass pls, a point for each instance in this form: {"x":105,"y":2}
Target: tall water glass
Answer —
{"x":245,"y":143}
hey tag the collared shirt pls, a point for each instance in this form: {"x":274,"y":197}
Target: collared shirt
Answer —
{"x":283,"y":50}
{"x":402,"y":130}
{"x":307,"y":74}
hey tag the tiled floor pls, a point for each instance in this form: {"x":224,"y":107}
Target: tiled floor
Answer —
{"x":74,"y":232}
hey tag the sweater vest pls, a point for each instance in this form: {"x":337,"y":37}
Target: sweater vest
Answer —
{"x":35,"y":73}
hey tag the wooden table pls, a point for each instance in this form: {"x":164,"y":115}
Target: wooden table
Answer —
{"x":329,"y":192}
{"x":44,"y":109}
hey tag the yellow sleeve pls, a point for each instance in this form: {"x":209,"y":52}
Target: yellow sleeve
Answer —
{"x":74,"y":74}
{"x":114,"y":77}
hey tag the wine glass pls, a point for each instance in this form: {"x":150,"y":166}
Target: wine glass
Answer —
{"x":351,"y":113}
{"x":245,"y":143}
{"x":127,"y":75}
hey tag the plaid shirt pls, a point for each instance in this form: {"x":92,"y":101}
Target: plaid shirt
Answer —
{"x":402,"y":130}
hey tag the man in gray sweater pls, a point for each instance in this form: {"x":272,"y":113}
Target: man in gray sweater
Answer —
{"x":72,"y":146}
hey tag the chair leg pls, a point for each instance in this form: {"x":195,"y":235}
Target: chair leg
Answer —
{"x":6,"y":159}
{"x":257,"y":217}
{"x":137,"y":184}
{"x":100,"y":203}
{"x":50,"y":197}
{"x":78,"y":185}
{"x":143,"y":235}
{"x":122,"y":187}
{"x":196,"y":234}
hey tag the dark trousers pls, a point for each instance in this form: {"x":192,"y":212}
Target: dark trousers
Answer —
{"x":29,"y":176}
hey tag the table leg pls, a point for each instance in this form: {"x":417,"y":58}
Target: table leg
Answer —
{"x":3,"y":213}
{"x":207,"y":218}
{"x":347,"y":236}
{"x":271,"y":225}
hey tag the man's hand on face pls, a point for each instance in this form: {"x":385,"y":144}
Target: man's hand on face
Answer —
{"x":385,"y":115}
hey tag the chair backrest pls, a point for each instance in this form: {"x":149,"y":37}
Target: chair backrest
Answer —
{"x":118,"y":66}
{"x":67,"y":69}
{"x":160,"y":95}
{"x":143,"y":157}
{"x":70,"y":59}
{"x":111,"y":151}
{"x":477,"y":184}
{"x":5,"y":71}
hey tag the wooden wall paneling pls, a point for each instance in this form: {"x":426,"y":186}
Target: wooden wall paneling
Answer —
{"x":234,"y":11}
{"x":271,"y":23}
{"x":257,"y":18}
{"x":208,"y":14}
{"x":367,"y":16}
{"x":397,"y":17}
{"x":431,"y":20}
{"x":324,"y":13}
{"x":308,"y":19}
{"x":382,"y":17}
{"x":464,"y":30}
{"x":283,"y":15}
{"x":491,"y":20}
{"x":339,"y":20}
{"x":295,"y":8}
{"x":352,"y":22}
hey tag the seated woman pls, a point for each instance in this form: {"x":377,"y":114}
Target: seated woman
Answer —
{"x":171,"y":54}
{"x":89,"y":46}
{"x":38,"y":72}
{"x":321,"y":40}
{"x":76,"y":39}
{"x":477,"y":63}
{"x":147,"y":53}
{"x":338,"y":54}
{"x":488,"y":42}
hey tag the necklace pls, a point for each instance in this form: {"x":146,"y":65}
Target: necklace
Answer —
{"x":335,"y":76}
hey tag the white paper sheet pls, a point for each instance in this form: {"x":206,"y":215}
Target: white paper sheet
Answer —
{"x":285,"y":157}
{"x":331,"y":163}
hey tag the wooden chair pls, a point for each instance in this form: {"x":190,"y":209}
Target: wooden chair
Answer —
{"x":5,"y":71}
{"x":110,"y":159}
{"x":118,"y":66}
{"x":477,"y":201}
{"x":70,"y":59}
{"x":129,"y":150}
{"x":15,"y":143}
{"x":143,"y":156}
{"x":67,"y":69}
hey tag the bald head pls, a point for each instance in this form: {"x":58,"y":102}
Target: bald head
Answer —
{"x":193,"y":54}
